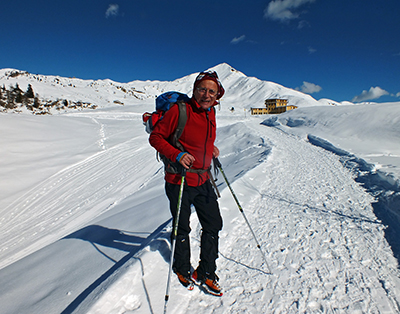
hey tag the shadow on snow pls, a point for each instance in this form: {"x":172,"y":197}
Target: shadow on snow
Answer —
{"x":123,"y":241}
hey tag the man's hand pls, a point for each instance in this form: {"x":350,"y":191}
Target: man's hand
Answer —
{"x":216,"y":152}
{"x":187,"y":160}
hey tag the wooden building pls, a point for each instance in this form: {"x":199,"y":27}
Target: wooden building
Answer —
{"x":273,"y":106}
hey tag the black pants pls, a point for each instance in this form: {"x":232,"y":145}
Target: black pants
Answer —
{"x":205,"y":202}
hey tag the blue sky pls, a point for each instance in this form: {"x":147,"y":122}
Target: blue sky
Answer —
{"x":337,"y":49}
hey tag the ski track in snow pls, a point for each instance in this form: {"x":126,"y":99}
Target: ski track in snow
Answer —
{"x":318,"y":232}
{"x":92,"y":186}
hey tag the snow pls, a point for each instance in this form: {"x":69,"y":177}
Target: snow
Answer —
{"x":85,"y":224}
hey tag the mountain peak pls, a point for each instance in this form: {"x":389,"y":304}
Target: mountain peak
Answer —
{"x":224,"y":70}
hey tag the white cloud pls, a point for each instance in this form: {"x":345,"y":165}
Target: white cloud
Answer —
{"x":112,"y":10}
{"x":373,"y":93}
{"x":398,"y":94}
{"x":311,"y":50}
{"x":303,"y":24}
{"x":237,"y":40}
{"x":283,"y":10}
{"x":309,"y":88}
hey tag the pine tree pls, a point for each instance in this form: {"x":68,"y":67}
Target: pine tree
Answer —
{"x":10,"y":100}
{"x":29,"y":92}
{"x":36,"y":102}
{"x":18,"y":94}
{"x":2,"y":102}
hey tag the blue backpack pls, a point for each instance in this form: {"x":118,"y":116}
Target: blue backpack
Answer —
{"x":166,"y":100}
{"x":163,"y":103}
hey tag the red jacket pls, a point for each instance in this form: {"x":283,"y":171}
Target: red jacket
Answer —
{"x":197,"y":139}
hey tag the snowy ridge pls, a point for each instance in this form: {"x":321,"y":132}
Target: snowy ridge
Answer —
{"x":85,"y":224}
{"x":103,"y":93}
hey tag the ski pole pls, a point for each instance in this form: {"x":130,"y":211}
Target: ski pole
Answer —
{"x":219,"y":166}
{"x":174,"y":234}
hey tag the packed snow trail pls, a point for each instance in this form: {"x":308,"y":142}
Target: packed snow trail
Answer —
{"x":325,"y":247}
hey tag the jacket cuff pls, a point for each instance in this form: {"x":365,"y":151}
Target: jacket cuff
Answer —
{"x":180,"y":155}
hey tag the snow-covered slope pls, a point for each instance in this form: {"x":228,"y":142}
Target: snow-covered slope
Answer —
{"x":370,"y":131}
{"x":245,"y":91}
{"x":85,"y":224}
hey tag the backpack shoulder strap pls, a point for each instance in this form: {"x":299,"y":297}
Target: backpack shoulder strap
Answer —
{"x":170,"y":166}
{"x":181,"y":124}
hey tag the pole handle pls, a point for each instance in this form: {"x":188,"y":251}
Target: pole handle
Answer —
{"x":216,"y":162}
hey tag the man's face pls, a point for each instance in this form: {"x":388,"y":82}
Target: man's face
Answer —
{"x":206,"y":93}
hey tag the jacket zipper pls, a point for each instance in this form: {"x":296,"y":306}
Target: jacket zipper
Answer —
{"x":208,"y":134}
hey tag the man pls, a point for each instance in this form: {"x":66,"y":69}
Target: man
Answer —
{"x":197,"y":140}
